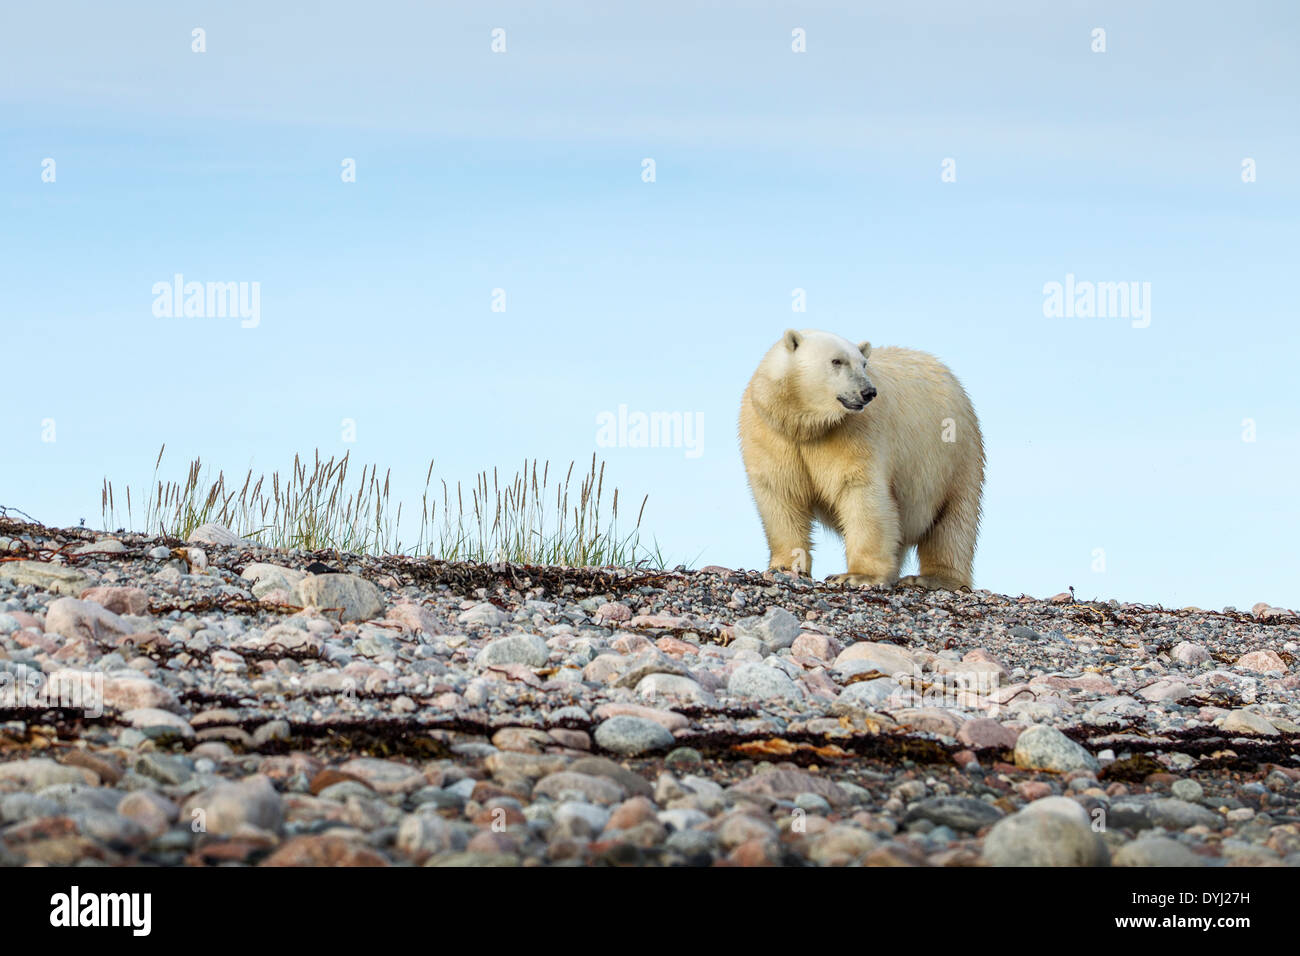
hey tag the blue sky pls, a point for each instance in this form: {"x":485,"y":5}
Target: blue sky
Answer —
{"x":774,"y":171}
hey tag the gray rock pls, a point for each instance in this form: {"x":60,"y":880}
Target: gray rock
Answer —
{"x":632,"y":735}
{"x":42,"y":574}
{"x":219,"y":534}
{"x":1248,"y":722}
{"x":1189,"y":653}
{"x":1174,"y":814}
{"x":567,"y":785}
{"x":227,"y":807}
{"x":1155,"y":851}
{"x":156,"y":723}
{"x":36,"y":773}
{"x":526,"y":649}
{"x":1062,"y":807}
{"x":1043,"y":839}
{"x":424,"y":834}
{"x":358,"y":598}
{"x":692,"y":844}
{"x":682,"y":818}
{"x":774,"y":630}
{"x":869,"y":694}
{"x":105,"y":545}
{"x":959,"y":813}
{"x":812,"y":803}
{"x":1046,"y":748}
{"x":164,"y":768}
{"x":266,"y":578}
{"x":1188,"y":790}
{"x":485,"y":614}
{"x":672,"y":687}
{"x":575,"y":819}
{"x":632,"y":782}
{"x":761,"y":682}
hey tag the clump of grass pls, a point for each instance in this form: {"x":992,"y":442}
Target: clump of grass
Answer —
{"x":524,"y":519}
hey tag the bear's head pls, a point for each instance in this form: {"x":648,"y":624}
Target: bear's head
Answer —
{"x":819,"y":379}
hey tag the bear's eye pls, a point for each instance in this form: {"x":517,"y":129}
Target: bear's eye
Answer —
{"x":838,"y":363}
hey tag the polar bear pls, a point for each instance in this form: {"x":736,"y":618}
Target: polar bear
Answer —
{"x":881,"y":446}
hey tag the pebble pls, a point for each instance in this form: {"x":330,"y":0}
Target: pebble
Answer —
{"x":763,"y":683}
{"x":632,"y":736}
{"x":350,"y":596}
{"x":1043,"y":839}
{"x":777,"y":628}
{"x":959,"y":813}
{"x":1046,"y":748}
{"x":527,"y":649}
{"x":1155,"y":851}
{"x":1249,"y":722}
{"x":727,"y":710}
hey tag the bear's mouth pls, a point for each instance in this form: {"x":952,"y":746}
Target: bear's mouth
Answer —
{"x":852,"y":406}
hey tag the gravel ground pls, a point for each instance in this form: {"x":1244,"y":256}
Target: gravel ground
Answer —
{"x":217,"y":703}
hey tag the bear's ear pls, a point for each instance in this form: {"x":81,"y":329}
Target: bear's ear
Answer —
{"x":865,"y":349}
{"x":792,"y":339}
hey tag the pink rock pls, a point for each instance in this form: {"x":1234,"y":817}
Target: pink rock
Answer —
{"x":981,"y":656}
{"x":819,"y":646}
{"x":573,"y":739}
{"x":1189,"y":653}
{"x":449,"y":701}
{"x":279,"y":596}
{"x":152,"y":811}
{"x":1033,"y":789}
{"x":119,"y":600}
{"x":631,"y":812}
{"x":819,"y":683}
{"x":26,"y":620}
{"x":324,"y":851}
{"x":668,"y":719}
{"x":1261,"y":662}
{"x":888,"y":658}
{"x":414,"y":617}
{"x":134,"y":693}
{"x":384,"y":776}
{"x":1011,"y":693}
{"x":1092,"y":683}
{"x":1166,"y":689}
{"x":928,"y":719}
{"x":613,"y":611}
{"x":980,"y":733}
{"x":1265,"y":611}
{"x":84,"y":620}
{"x":26,"y":638}
{"x":674,"y":647}
{"x":631,"y":644}
{"x":1063,"y":598}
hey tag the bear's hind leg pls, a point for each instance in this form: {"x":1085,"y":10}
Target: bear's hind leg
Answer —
{"x":947,"y":551}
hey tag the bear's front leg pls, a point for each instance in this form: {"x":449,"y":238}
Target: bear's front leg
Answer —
{"x":872,"y":537}
{"x":788,"y":527}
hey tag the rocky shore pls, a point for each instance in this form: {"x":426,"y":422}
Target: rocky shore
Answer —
{"x":211,"y":702}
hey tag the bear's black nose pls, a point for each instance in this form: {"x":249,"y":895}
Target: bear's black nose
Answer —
{"x":868,"y":394}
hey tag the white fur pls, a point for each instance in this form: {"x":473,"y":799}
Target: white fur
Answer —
{"x":883,"y":478}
